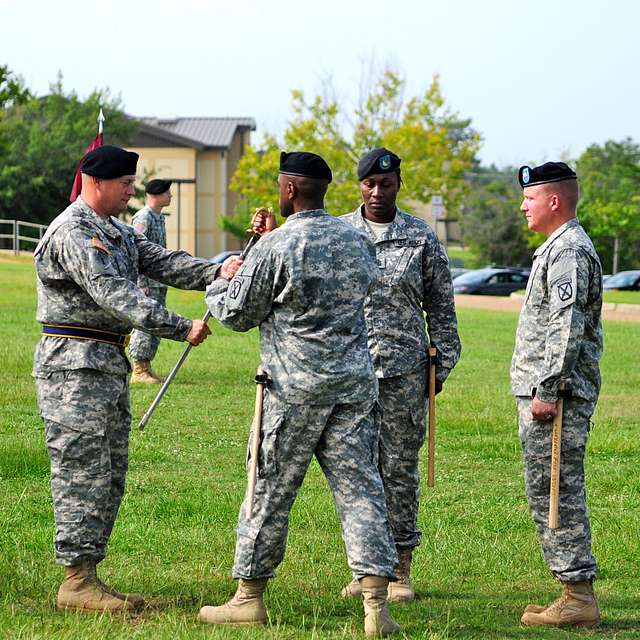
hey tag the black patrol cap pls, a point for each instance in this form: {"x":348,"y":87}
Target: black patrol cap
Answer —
{"x":304,"y":164}
{"x":547,"y":172}
{"x":109,"y":162}
{"x":157,"y":186}
{"x":379,"y":160}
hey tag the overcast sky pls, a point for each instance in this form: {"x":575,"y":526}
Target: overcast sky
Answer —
{"x":538,"y":78}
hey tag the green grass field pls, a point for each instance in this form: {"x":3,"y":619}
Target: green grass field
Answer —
{"x":479,"y":563}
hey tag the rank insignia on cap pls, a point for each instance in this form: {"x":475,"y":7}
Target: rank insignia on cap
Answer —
{"x":385,"y":162}
{"x":525,"y":175}
{"x":96,"y":243}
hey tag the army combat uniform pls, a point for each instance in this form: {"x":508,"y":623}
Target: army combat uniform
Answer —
{"x":88,"y":301}
{"x":143,"y":345}
{"x":415,"y":279}
{"x":304,"y":284}
{"x":559,"y":339}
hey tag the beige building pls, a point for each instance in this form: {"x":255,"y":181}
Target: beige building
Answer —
{"x":200,"y":155}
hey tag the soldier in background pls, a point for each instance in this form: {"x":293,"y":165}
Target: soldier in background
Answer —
{"x":559,"y":339}
{"x":87,"y":267}
{"x":149,"y":221}
{"x":415,"y":279}
{"x":304,"y":285}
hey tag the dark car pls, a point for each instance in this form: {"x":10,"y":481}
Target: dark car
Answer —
{"x":623,"y":280}
{"x":492,"y":281}
{"x":221,"y":257}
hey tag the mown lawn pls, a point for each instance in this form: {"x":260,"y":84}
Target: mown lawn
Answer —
{"x":477,"y":568}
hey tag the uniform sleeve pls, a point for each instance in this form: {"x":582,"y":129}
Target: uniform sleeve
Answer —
{"x":568,"y":279}
{"x":440,"y":308}
{"x":176,"y":268}
{"x":248,"y":299}
{"x":92,"y":269}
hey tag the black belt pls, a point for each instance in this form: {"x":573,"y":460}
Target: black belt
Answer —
{"x":85,"y":333}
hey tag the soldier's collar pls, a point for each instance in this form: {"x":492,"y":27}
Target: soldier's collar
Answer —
{"x":558,"y":232}
{"x":311,"y":213}
{"x":397,"y":230}
{"x":106,"y":226}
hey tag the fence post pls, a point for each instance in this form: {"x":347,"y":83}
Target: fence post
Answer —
{"x":16,"y":235}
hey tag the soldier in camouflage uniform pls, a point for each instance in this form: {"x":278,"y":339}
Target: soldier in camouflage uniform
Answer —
{"x":149,"y":221}
{"x":415,"y":280}
{"x":304,"y":285}
{"x":87,"y":265}
{"x":559,"y":340}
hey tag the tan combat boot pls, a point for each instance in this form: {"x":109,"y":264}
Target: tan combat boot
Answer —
{"x":134,"y":598}
{"x":143,"y":373}
{"x":377,"y":619}
{"x":577,"y":607}
{"x":402,"y":590}
{"x":352,"y":590}
{"x":81,"y":591}
{"x":246,"y":606}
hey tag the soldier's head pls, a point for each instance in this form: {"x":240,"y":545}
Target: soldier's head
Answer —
{"x":108,"y":176}
{"x":303,"y":180}
{"x":380,"y":180}
{"x":550,"y":196}
{"x":158,"y":193}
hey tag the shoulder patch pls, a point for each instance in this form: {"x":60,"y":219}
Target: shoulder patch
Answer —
{"x":96,"y":243}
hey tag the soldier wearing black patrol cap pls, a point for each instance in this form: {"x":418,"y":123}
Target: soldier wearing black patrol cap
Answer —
{"x":304,"y":285}
{"x":415,"y":279}
{"x":87,"y":266}
{"x":150,"y":222}
{"x":559,"y":342}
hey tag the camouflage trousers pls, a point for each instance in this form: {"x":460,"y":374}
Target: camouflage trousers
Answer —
{"x":344,"y":439}
{"x":403,"y":400}
{"x":567,"y":549}
{"x":87,"y":419}
{"x":144,"y":346}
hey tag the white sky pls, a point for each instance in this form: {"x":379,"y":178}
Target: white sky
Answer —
{"x":538,"y":78}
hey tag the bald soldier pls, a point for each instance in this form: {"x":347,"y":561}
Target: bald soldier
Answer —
{"x":304,"y":285}
{"x":149,"y":221}
{"x":87,"y":265}
{"x":559,"y":340}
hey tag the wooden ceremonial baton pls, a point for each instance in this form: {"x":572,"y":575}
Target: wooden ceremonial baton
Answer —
{"x":143,"y":423}
{"x":431,"y":459}
{"x":564,"y":391}
{"x":254,"y":446}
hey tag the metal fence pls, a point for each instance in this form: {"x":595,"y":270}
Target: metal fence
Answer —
{"x":19,"y":236}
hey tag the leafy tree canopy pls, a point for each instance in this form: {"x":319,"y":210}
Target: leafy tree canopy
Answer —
{"x":436,"y":145}
{"x":609,"y":205}
{"x":41,"y":142}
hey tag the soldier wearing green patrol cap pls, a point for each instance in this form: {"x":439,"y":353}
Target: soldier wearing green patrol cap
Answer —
{"x":149,"y":221}
{"x":559,"y":342}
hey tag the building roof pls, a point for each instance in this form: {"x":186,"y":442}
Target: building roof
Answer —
{"x":201,"y":133}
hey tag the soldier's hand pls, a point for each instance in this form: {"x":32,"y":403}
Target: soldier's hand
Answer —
{"x":145,"y":290}
{"x":230,"y":266}
{"x":263,"y":221}
{"x":543,"y":411}
{"x":199,"y":332}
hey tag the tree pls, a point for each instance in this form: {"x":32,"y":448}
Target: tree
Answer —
{"x":492,"y":225}
{"x":609,"y":206}
{"x":435,"y":144}
{"x":41,"y":143}
{"x":12,"y":89}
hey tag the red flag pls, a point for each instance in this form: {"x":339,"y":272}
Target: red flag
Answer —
{"x":77,"y":181}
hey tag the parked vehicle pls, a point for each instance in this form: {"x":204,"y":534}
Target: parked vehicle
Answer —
{"x":492,"y":281}
{"x":624,"y":281}
{"x":457,"y":271}
{"x":221,"y":257}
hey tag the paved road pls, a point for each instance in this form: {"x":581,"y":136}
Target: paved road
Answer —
{"x":610,"y":311}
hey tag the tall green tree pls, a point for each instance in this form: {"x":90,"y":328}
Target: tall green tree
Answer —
{"x":41,"y":143}
{"x":609,"y":205}
{"x":492,"y":225}
{"x":12,"y":89}
{"x":436,"y":145}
